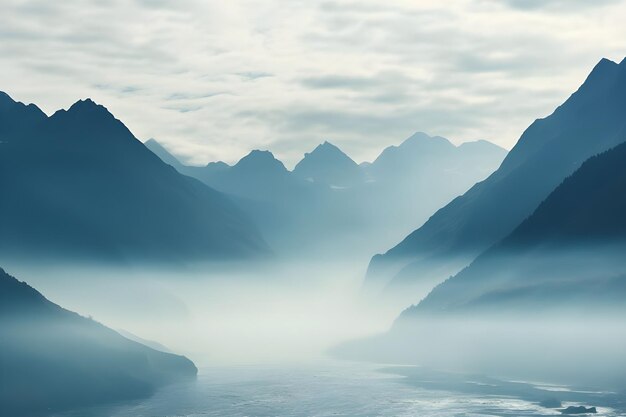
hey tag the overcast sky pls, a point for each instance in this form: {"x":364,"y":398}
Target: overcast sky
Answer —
{"x":214,"y":79}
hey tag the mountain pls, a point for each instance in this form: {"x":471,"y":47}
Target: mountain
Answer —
{"x":53,"y":359}
{"x":328,"y":165}
{"x":567,"y":254}
{"x":420,"y":151}
{"x":82,"y":186}
{"x":589,"y":122}
{"x":258,"y":175}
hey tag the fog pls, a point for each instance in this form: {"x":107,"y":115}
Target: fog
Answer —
{"x":266,"y":313}
{"x":551,"y":312}
{"x":559,"y":350}
{"x":549,"y":315}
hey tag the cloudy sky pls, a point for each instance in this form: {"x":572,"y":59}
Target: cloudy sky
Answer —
{"x":214,"y":79}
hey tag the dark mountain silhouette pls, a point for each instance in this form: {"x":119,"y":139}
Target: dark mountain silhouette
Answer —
{"x":398,"y":191}
{"x":569,"y":252}
{"x":328,"y":165}
{"x":78,"y":184}
{"x":16,"y":116}
{"x":52,"y":359}
{"x":590,"y":121}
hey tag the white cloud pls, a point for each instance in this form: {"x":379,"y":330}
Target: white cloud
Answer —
{"x":215,"y":79}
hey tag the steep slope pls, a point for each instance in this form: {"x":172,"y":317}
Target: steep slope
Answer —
{"x":569,"y":252}
{"x":53,"y":359}
{"x":590,"y":121}
{"x":328,"y":165}
{"x":81,"y":185}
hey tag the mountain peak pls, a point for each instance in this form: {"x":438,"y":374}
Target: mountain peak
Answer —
{"x":606,"y":61}
{"x":326,"y":147}
{"x":327,"y":150}
{"x":15,"y":115}
{"x":330,"y":165}
{"x":7,"y":102}
{"x":481,"y":144}
{"x":87,"y":110}
{"x":260,"y":160}
{"x":87,"y":105}
{"x":5,"y":98}
{"x":603,"y":71}
{"x":421,"y":137}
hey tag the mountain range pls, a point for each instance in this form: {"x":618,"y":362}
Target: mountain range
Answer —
{"x":52,"y":359}
{"x":79,"y":185}
{"x":589,"y":122}
{"x":330,"y":200}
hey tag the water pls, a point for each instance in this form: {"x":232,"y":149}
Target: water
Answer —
{"x":342,"y":389}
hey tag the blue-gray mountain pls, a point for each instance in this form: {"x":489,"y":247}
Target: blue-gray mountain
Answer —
{"x":569,"y":254}
{"x":589,"y":122}
{"x":78,"y":184}
{"x":330,"y":201}
{"x":52,"y":359}
{"x":328,"y":165}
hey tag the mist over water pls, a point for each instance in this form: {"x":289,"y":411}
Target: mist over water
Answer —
{"x":263,"y":337}
{"x":268,"y":313}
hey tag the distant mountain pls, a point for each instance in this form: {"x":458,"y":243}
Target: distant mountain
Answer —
{"x":82,"y":186}
{"x":422,"y":155}
{"x":590,"y":121}
{"x":52,"y":359}
{"x":328,"y":165}
{"x":568,"y":254}
{"x":418,"y":152}
{"x":163,"y":154}
{"x":329,"y":201}
{"x":258,"y":175}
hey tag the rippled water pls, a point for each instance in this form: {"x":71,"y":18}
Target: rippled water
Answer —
{"x":348,"y":390}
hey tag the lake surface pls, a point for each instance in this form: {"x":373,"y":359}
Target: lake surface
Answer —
{"x":344,"y":389}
